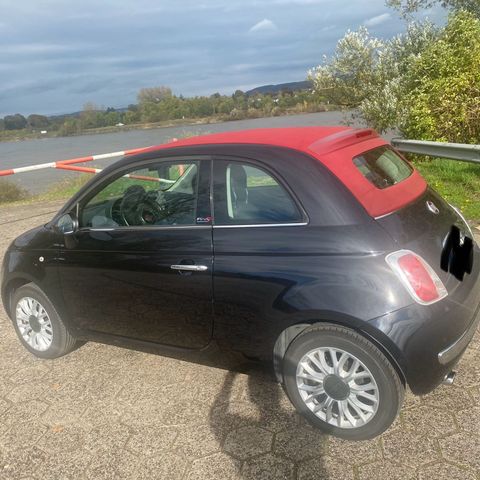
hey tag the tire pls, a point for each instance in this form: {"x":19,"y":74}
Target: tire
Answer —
{"x":45,"y":335}
{"x":344,"y":409}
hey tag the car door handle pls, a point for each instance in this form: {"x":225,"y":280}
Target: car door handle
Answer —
{"x":189,"y":268}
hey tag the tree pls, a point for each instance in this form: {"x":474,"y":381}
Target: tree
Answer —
{"x":70,"y":126}
{"x":131,"y":117}
{"x":88,"y":116}
{"x":154,"y":94}
{"x":201,"y":106}
{"x":37,"y":121}
{"x":408,"y":7}
{"x":442,"y":88}
{"x":238,"y":95}
{"x":426,"y":82}
{"x":368,"y":74}
{"x":15,"y":122}
{"x":226,"y":105}
{"x":112,"y":117}
{"x":346,"y":78}
{"x":383,"y":106}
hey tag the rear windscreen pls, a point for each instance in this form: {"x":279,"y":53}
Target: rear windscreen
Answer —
{"x":383,"y":167}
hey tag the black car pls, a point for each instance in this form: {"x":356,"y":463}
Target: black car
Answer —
{"x":320,"y":250}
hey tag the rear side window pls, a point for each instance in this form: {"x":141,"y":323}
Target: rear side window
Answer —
{"x":247,"y":195}
{"x":383,"y":167}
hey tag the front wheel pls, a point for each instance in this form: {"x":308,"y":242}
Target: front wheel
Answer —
{"x":341,"y":382}
{"x":38,"y":325}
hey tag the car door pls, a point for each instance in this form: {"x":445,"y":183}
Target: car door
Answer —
{"x":140,"y":263}
{"x":257,"y":226}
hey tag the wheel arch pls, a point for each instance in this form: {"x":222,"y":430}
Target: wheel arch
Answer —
{"x":289,"y":334}
{"x":9,"y":289}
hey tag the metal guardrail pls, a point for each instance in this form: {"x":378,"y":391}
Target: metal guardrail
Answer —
{"x":453,"y":151}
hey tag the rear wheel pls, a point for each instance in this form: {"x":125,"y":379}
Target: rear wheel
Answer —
{"x":38,"y":325}
{"x":342,"y":383}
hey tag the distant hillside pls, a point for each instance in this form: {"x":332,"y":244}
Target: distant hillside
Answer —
{"x":281,"y":87}
{"x":63,"y":116}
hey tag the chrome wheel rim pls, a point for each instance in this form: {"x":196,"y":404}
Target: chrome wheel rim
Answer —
{"x":34,"y":324}
{"x":337,"y":387}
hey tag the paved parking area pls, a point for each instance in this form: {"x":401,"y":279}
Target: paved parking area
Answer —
{"x":104,"y":412}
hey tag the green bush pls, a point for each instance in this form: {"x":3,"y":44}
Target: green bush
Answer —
{"x":11,"y":192}
{"x":369,"y":75}
{"x":425,"y":82}
{"x":443,"y":85}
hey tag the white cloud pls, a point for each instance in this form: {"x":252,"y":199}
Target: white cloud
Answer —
{"x":36,"y":48}
{"x":264,"y":25}
{"x":379,"y":19}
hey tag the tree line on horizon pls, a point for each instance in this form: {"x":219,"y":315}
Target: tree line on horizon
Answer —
{"x":158,"y":104}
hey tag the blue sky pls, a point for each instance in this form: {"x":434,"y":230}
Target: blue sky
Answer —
{"x":57,"y":55}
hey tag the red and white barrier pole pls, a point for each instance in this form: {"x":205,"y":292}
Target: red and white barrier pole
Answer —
{"x":60,"y":163}
{"x":98,"y":170}
{"x":74,"y":168}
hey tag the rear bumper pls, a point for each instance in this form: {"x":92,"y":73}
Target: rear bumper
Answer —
{"x":428,"y":341}
{"x":455,"y":350}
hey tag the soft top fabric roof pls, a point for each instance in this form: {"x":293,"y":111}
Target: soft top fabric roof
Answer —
{"x":299,"y":138}
{"x":335,"y":147}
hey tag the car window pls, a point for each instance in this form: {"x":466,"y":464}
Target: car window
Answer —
{"x":383,"y":167}
{"x":246,"y":194}
{"x":160,"y":194}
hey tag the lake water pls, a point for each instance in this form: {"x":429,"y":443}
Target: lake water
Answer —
{"x":28,"y":152}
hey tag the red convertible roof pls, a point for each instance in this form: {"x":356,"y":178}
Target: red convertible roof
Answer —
{"x":335,"y":147}
{"x":300,"y":138}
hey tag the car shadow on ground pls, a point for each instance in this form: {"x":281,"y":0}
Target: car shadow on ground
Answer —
{"x":261,"y":432}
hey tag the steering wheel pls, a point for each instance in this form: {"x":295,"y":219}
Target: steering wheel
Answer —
{"x":139,"y":207}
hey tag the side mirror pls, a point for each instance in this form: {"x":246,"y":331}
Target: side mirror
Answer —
{"x":67,"y":224}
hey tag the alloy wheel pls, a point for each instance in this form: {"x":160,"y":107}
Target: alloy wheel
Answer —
{"x":34,"y":324}
{"x":337,"y":387}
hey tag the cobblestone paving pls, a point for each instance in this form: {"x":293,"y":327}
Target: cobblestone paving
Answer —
{"x":104,"y":412}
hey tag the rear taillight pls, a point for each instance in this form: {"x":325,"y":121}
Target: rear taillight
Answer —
{"x":417,"y":276}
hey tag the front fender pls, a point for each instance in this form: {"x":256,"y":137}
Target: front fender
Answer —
{"x":21,"y":267}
